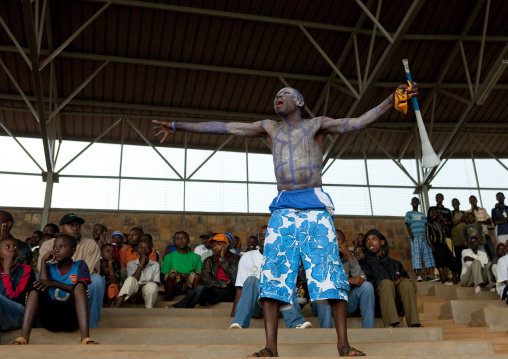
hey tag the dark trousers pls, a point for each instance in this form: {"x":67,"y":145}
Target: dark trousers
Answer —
{"x":202,"y":295}
{"x":458,"y":257}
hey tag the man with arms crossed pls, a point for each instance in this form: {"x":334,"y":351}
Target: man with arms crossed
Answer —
{"x":301,"y":226}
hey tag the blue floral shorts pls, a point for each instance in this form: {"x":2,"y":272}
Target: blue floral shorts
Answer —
{"x":308,"y":236}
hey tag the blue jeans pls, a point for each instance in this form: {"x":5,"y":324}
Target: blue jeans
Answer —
{"x":96,"y":291}
{"x":360,"y":297}
{"x":248,"y":307}
{"x":11,"y":314}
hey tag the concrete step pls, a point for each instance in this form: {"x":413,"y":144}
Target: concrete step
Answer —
{"x":163,"y":304}
{"x":177,"y":312}
{"x":152,"y":336}
{"x":423,"y":287}
{"x":430,"y":309}
{"x":494,"y":318}
{"x":455,"y":348}
{"x":460,"y":310}
{"x":485,"y":295}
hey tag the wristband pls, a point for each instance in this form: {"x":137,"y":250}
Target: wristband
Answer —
{"x":173,"y":125}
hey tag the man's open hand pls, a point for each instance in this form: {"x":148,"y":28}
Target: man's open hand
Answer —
{"x":165,"y":128}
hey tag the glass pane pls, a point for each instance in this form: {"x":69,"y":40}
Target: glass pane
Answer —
{"x":491,"y":174}
{"x":224,"y":166}
{"x":461,"y":194}
{"x":350,"y":200}
{"x":100,"y":159}
{"x":143,"y":161}
{"x":22,"y":191}
{"x":261,"y":168}
{"x":410,"y":166}
{"x":386,"y":172}
{"x":391,"y":201}
{"x":195,"y":158}
{"x":151,"y":195}
{"x":456,"y":173}
{"x":14,"y":159}
{"x":260,"y":197}
{"x":85,"y":193}
{"x":215,"y":197}
{"x":346,"y":172}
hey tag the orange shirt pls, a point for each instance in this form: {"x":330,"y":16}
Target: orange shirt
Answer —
{"x":127,"y":255}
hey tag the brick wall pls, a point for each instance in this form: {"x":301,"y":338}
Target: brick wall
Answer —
{"x":162,"y":226}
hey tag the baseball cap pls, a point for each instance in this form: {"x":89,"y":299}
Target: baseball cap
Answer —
{"x":208,"y":234}
{"x":230,"y":237}
{"x":71,"y":217}
{"x":219,"y":238}
{"x":117,"y":233}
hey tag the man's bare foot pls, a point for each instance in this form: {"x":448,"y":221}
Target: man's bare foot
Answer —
{"x":265,"y":352}
{"x":19,"y":341}
{"x":349,"y":351}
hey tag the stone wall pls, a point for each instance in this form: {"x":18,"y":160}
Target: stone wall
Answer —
{"x":162,"y":226}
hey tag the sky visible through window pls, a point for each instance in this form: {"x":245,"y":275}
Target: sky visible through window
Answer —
{"x":139,"y":179}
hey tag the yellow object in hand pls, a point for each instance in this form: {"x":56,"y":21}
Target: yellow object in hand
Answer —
{"x":400,"y":98}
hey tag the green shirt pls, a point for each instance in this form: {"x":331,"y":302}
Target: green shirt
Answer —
{"x":458,"y":233}
{"x":182,"y":263}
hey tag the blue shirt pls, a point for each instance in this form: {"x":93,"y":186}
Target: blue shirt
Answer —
{"x":416,"y":221}
{"x":77,"y":272}
{"x":498,"y":213}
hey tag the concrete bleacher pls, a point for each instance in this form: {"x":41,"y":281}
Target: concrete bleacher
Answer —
{"x":457,"y":323}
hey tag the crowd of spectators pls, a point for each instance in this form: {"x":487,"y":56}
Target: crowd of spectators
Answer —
{"x":59,"y":280}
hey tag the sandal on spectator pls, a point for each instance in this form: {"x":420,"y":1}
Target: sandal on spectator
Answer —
{"x":266,"y":350}
{"x":347,"y":349}
{"x":20,"y":340}
{"x":87,"y":341}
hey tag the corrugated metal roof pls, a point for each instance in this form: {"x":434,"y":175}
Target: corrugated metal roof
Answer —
{"x":221,"y":60}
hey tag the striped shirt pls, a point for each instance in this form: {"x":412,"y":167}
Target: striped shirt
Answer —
{"x":416,"y":221}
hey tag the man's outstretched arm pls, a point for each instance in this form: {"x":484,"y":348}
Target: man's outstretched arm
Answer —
{"x":343,"y":125}
{"x":255,"y":129}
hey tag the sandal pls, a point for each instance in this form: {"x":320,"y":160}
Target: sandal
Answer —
{"x":346,"y":350}
{"x":267,"y":350}
{"x":87,"y":341}
{"x":20,"y":340}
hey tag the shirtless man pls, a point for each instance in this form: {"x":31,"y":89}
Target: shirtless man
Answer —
{"x":301,"y":225}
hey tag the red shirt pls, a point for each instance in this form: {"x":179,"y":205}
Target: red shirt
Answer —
{"x":221,"y":274}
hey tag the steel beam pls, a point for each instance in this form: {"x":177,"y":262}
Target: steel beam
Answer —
{"x":20,"y":145}
{"x":380,"y":66}
{"x":73,"y":36}
{"x":375,"y":20}
{"x":489,"y":152}
{"x":371,"y":45}
{"x":453,"y":96}
{"x":211,"y":155}
{"x":16,"y":43}
{"x":466,"y":69}
{"x":482,"y":45}
{"x":36,"y":76}
{"x":48,"y":195}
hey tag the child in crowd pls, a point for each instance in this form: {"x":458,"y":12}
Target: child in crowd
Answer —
{"x":111,"y":272}
{"x":474,"y":229}
{"x":436,"y":236}
{"x":35,"y":251}
{"x":358,"y":253}
{"x":148,"y":237}
{"x":17,"y":278}
{"x":143,"y":280}
{"x":390,"y":280}
{"x":182,"y":268}
{"x":59,"y":296}
{"x":117,"y":240}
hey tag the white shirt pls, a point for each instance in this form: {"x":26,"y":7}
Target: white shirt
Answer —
{"x":250,"y":265}
{"x":199,"y":250}
{"x":502,"y":274}
{"x":151,"y":273}
{"x":482,"y":256}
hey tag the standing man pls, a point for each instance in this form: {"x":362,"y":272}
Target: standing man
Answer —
{"x":445,"y":213}
{"x":415,"y":226}
{"x":483,"y":218}
{"x":301,"y":226}
{"x":500,"y":218}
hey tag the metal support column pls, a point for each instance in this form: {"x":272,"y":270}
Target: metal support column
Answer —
{"x":47,"y":197}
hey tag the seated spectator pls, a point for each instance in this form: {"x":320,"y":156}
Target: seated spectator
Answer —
{"x":236,"y":244}
{"x":100,"y":234}
{"x":35,"y":251}
{"x":358,"y":253}
{"x":17,"y":278}
{"x":501,"y":271}
{"x":88,"y":251}
{"x":500,"y":218}
{"x":210,"y":252}
{"x":143,"y":278}
{"x":111,"y":272}
{"x":474,"y":229}
{"x":218,"y":275}
{"x":500,"y":251}
{"x":357,"y":241}
{"x":436,"y":236}
{"x":202,"y":248}
{"x":59,"y":299}
{"x":117,"y":240}
{"x":130,"y":252}
{"x":148,"y":237}
{"x":36,"y":237}
{"x":484,"y":219}
{"x":361,"y":296}
{"x":51,"y":229}
{"x":252,"y":244}
{"x":246,"y":304}
{"x":6,"y":222}
{"x":390,"y":280}
{"x":182,"y":268}
{"x":474,"y":266}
